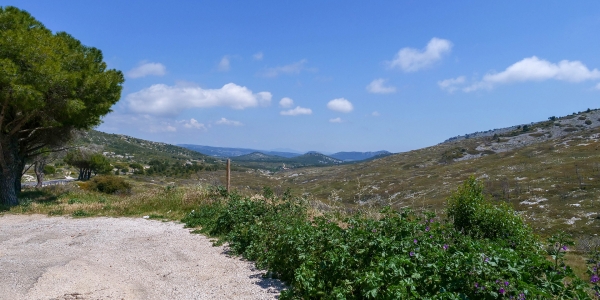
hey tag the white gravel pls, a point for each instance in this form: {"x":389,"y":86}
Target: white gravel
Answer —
{"x":119,"y":258}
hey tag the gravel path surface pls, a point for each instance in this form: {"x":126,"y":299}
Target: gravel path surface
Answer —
{"x":119,"y":258}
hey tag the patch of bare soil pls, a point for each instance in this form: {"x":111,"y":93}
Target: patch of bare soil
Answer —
{"x":119,"y":258}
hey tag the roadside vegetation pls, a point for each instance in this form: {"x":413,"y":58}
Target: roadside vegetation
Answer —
{"x":365,"y":254}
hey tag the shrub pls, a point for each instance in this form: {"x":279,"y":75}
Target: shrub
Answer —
{"x":588,"y":122}
{"x":475,"y":215}
{"x":399,"y":255}
{"x":109,"y":184}
{"x":581,"y":118}
{"x":49,"y":170}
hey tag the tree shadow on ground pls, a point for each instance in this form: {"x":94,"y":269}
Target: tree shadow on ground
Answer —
{"x":43,"y":196}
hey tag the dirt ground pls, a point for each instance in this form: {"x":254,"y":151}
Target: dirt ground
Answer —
{"x":119,"y":258}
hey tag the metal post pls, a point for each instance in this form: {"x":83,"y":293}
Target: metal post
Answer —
{"x":228,"y":174}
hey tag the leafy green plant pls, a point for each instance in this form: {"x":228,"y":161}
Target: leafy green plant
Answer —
{"x":49,"y":170}
{"x":74,"y":200}
{"x":109,"y":184}
{"x":594,"y":271}
{"x":473,"y":214}
{"x":80,"y":213}
{"x":398,"y":255}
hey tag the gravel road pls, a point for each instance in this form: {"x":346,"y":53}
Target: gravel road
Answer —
{"x":119,"y":258}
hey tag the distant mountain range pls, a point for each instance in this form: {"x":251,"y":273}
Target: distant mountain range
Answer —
{"x":245,"y":154}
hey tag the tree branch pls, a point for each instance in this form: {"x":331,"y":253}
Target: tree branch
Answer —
{"x":21,"y":123}
{"x":33,"y":130}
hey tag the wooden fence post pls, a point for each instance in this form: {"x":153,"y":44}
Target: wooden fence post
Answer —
{"x":228,"y":175}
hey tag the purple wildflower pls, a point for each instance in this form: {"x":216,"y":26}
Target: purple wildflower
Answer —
{"x":374,"y":230}
{"x":476,"y":284}
{"x":564,"y":247}
{"x":501,"y":291}
{"x":430,"y":236}
{"x":506,"y":283}
{"x":431,"y":221}
{"x":445,"y":247}
{"x":427,"y":228}
{"x":594,"y":278}
{"x":521,"y":296}
{"x":415,"y":241}
{"x":486,"y":259}
{"x":497,"y":280}
{"x":411,"y":254}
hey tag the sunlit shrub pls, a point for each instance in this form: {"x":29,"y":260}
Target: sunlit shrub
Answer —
{"x":108,"y":184}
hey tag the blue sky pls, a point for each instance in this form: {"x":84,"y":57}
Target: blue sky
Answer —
{"x":336,"y":75}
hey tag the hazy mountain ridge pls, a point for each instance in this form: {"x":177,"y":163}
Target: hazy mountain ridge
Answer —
{"x":226,"y":152}
{"x":241,"y":153}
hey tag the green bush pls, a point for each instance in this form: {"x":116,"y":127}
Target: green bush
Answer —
{"x":49,"y":170}
{"x":109,"y":184}
{"x":475,"y":215}
{"x":400,"y":255}
{"x":588,"y":122}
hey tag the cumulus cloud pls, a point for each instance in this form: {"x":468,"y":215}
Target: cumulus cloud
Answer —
{"x":377,"y":86}
{"x":336,"y":120}
{"x":451,"y":84}
{"x":161,"y":99}
{"x":193,"y":124}
{"x":147,"y":68}
{"x":286,"y":102}
{"x":224,"y":64}
{"x":293,"y":68}
{"x":411,"y":60}
{"x":258,"y":56}
{"x":341,"y":105}
{"x":296,"y":111}
{"x":535,"y":69}
{"x":224,"y":121}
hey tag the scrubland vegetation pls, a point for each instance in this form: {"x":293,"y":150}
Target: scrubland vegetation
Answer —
{"x":365,"y":254}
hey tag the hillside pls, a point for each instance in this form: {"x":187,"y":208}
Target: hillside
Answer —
{"x":128,"y":148}
{"x":549,"y":171}
{"x":357,"y":156}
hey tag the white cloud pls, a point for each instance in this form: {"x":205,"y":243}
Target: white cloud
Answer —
{"x":147,"y":68}
{"x":336,"y":120}
{"x":535,"y":69}
{"x":193,"y":124}
{"x":293,"y":68}
{"x":341,"y":105}
{"x":224,"y":64}
{"x":377,"y":86}
{"x":451,"y":84}
{"x":598,"y":86}
{"x":258,"y":56}
{"x":411,"y":60}
{"x":296,"y":111}
{"x":224,"y":121}
{"x":161,"y":99}
{"x":170,"y":128}
{"x":286,"y":102}
{"x":375,"y":114}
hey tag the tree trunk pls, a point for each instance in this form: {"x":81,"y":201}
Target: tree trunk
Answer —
{"x":38,"y":168}
{"x":10,"y":172}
